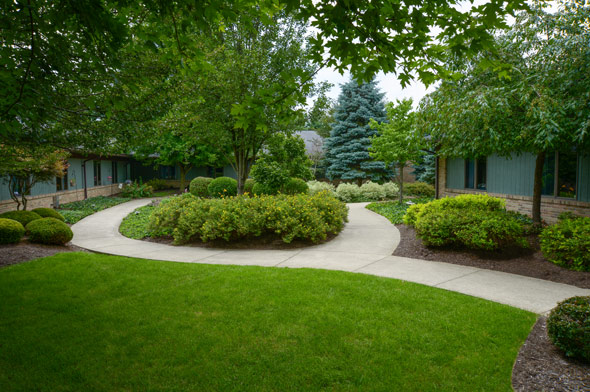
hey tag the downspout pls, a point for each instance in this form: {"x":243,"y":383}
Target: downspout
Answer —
{"x":85,"y":183}
{"x":436,"y":192}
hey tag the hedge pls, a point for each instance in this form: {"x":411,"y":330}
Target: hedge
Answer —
{"x":49,"y":231}
{"x":11,"y":231}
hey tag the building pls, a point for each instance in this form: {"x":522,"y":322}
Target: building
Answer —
{"x":566,"y":181}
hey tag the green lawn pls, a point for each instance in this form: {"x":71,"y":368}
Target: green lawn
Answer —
{"x":85,"y":322}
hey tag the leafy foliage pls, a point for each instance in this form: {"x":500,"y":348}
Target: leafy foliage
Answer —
{"x":319,"y":186}
{"x":395,"y":211}
{"x":295,"y":186}
{"x":135,"y":225}
{"x":568,"y":327}
{"x":48,"y":213}
{"x":372,"y":191}
{"x":347,"y":148}
{"x":11,"y":231}
{"x":425,"y":168}
{"x":419,"y":189}
{"x":74,"y":211}
{"x":49,"y":231}
{"x":567,"y":243}
{"x":137,"y":190}
{"x":23,"y":217}
{"x":157,"y":184}
{"x":222,"y":187}
{"x":200,"y":186}
{"x":300,"y":216}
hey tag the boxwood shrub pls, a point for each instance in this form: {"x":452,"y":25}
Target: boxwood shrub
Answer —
{"x":289,"y":217}
{"x":418,"y":189}
{"x":567,"y":243}
{"x":49,"y":231}
{"x":11,"y":231}
{"x":24,"y":217}
{"x":568,"y":327}
{"x":223,"y":187}
{"x":294,"y":186}
{"x":199,"y":186}
{"x":48,"y":213}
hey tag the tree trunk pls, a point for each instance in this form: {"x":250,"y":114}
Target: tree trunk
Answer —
{"x":401,"y":182}
{"x":183,"y":172}
{"x":11,"y":188}
{"x":538,"y":188}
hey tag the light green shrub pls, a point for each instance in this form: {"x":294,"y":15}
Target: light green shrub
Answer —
{"x":418,"y":189}
{"x":319,"y":186}
{"x":48,"y":213}
{"x":199,"y":186}
{"x":371,"y":191}
{"x":49,"y":231}
{"x":391,"y":190}
{"x":567,"y":243}
{"x":223,"y":187}
{"x":11,"y":231}
{"x":23,"y":217}
{"x":165,"y":218}
{"x":348,"y":193}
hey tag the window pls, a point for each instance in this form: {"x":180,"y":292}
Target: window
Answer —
{"x":97,"y":179}
{"x":167,"y":172}
{"x":214,"y":172}
{"x":61,"y":183}
{"x":560,"y":174}
{"x":115,"y":173}
{"x":476,"y":174}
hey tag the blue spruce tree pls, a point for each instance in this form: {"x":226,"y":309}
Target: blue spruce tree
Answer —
{"x":347,"y":148}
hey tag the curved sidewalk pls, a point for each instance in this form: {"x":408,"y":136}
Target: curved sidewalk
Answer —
{"x":365,"y":246}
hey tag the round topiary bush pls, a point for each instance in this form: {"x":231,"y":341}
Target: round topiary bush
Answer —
{"x":223,"y":186}
{"x":258,"y":189}
{"x":49,"y":231}
{"x":568,"y":327}
{"x":567,"y":243}
{"x":24,"y":217}
{"x":295,"y":186}
{"x":249,"y":185}
{"x":199,"y":186}
{"x":11,"y":231}
{"x":48,"y":213}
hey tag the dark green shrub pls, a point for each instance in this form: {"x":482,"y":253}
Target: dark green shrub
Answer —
{"x":48,"y":213}
{"x":568,"y":327}
{"x":249,"y":185}
{"x":24,"y":217}
{"x":199,"y":186}
{"x":158,"y":184}
{"x":11,"y":231}
{"x":165,"y":217}
{"x":418,"y":189}
{"x":567,"y":243}
{"x":258,"y":189}
{"x":49,"y":231}
{"x":222,"y":187}
{"x":295,"y":186}
{"x":137,"y":190}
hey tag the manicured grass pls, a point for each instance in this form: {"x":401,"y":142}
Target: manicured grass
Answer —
{"x":73,"y":212}
{"x":135,"y":225}
{"x":393,"y":210}
{"x":79,"y":321}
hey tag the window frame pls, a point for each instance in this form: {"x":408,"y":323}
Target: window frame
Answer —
{"x":555,"y":194}
{"x":97,"y":173}
{"x":475,"y":174}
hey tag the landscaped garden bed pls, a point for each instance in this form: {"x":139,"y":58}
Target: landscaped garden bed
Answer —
{"x":77,"y":210}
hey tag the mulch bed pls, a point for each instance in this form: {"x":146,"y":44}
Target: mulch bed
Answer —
{"x":540,"y":366}
{"x":527,"y":262}
{"x":26,"y":251}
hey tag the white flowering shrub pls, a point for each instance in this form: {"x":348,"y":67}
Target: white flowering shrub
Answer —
{"x":348,"y":193}
{"x":391,"y":190}
{"x":318,"y":186}
{"x":371,"y":191}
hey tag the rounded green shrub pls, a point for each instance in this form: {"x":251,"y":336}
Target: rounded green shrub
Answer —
{"x":567,"y":243}
{"x":24,"y":217}
{"x":568,"y":327}
{"x":295,"y":186}
{"x":199,"y":186}
{"x":258,"y":189}
{"x":319,"y":186}
{"x":371,"y":191}
{"x":11,"y":231}
{"x":49,"y":231}
{"x":391,"y":190}
{"x":418,"y":189}
{"x":223,"y":186}
{"x":348,"y":193}
{"x":249,"y":185}
{"x":48,"y":213}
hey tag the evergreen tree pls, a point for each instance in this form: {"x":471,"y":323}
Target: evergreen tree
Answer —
{"x":425,"y":170}
{"x":347,"y":148}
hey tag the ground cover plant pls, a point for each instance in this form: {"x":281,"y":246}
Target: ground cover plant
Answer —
{"x":95,"y":322}
{"x":135,"y":225}
{"x":73,"y":212}
{"x":395,"y":211}
{"x":567,"y":243}
{"x":310,"y":218}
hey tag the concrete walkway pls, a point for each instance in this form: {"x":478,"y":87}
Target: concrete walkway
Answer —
{"x":365,"y":246}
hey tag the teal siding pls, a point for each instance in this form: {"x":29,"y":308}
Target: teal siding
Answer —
{"x":43,"y":188}
{"x":584,"y":178}
{"x":511,"y":176}
{"x":75,"y":174}
{"x":229,"y":171}
{"x":122,"y":174}
{"x":106,"y":169}
{"x":455,"y":173}
{"x":4,"y":194}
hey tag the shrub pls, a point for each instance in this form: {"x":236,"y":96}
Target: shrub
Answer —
{"x":249,"y":185}
{"x":23,"y":217}
{"x":371,"y":191}
{"x":567,"y":243}
{"x":295,"y":186}
{"x":165,"y":217}
{"x":391,"y":190}
{"x":568,"y":327}
{"x":412,"y":214}
{"x":200,"y":186}
{"x":158,"y":184}
{"x":271,"y":175}
{"x":222,"y":187}
{"x":348,"y":193}
{"x":137,"y":190}
{"x":49,"y":231}
{"x":48,"y":213}
{"x":290,"y":217}
{"x":318,"y":186}
{"x":418,"y":189}
{"x":258,"y":189}
{"x":11,"y":231}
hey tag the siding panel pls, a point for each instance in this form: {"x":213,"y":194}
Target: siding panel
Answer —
{"x":513,"y":176}
{"x":584,"y":178}
{"x":455,"y":173}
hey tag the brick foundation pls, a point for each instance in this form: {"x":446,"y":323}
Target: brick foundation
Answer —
{"x":46,"y":200}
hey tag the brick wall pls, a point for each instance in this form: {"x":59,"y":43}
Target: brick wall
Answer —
{"x":46,"y":200}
